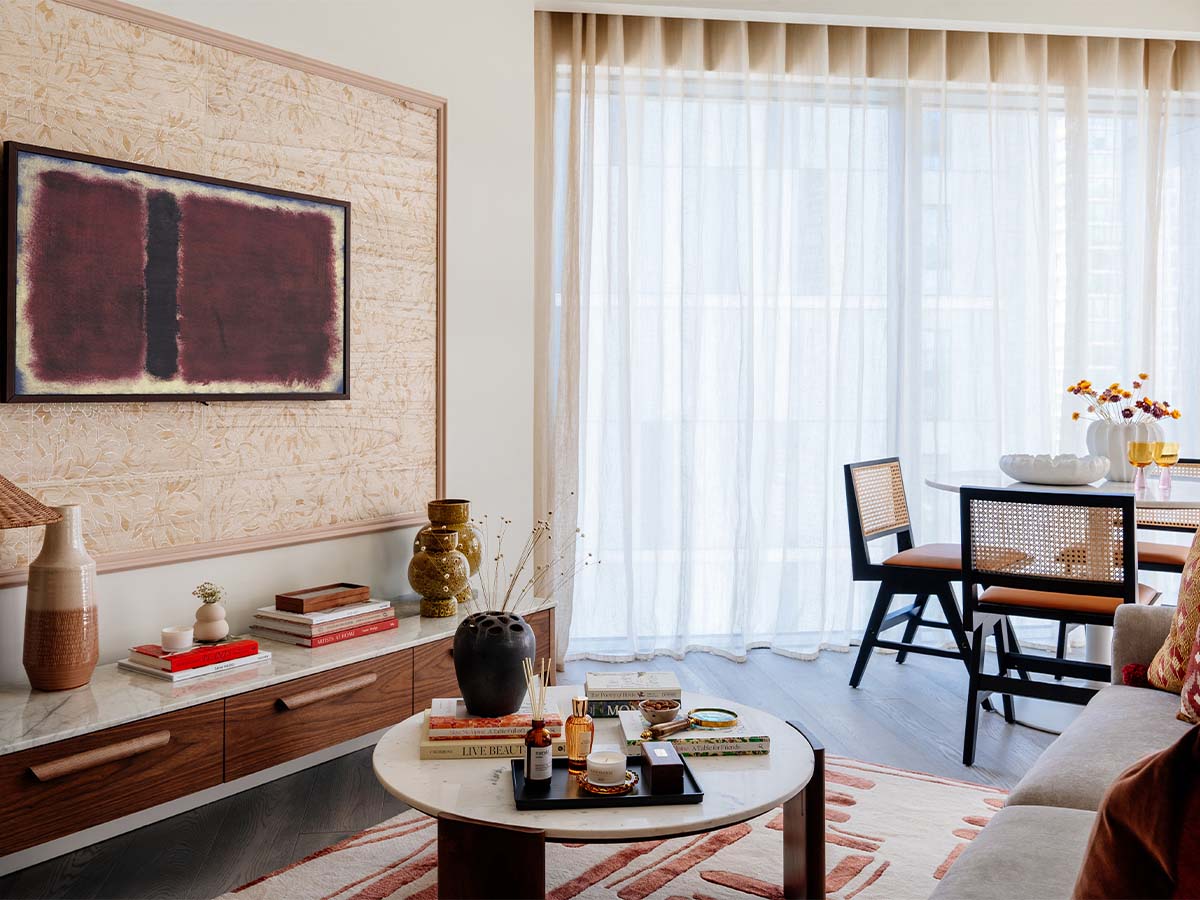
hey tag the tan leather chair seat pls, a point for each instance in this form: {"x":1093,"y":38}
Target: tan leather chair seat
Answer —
{"x":1162,"y":554}
{"x":1087,"y":603}
{"x":929,"y":556}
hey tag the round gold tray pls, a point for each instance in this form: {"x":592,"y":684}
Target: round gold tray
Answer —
{"x":631,"y":780}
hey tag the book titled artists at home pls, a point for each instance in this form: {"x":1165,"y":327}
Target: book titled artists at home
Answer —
{"x":155,"y":657}
{"x":480,"y":748}
{"x":450,"y":721}
{"x":260,"y":657}
{"x":326,"y":616}
{"x":322,"y":640}
{"x":609,"y":693}
{"x":736,"y":741}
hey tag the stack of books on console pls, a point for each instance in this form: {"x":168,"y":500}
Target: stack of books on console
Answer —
{"x":203,"y":659}
{"x":609,"y":693}
{"x":450,"y":732}
{"x":327,"y":626}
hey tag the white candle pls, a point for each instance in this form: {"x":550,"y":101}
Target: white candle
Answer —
{"x":177,"y":637}
{"x":606,"y":768}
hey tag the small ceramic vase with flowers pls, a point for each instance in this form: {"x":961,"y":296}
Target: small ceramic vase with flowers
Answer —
{"x":210,"y":624}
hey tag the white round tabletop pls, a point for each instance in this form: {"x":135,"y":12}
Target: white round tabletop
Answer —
{"x":1184,"y":492}
{"x":736,"y":788}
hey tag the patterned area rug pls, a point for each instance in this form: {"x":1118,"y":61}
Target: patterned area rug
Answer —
{"x":891,"y":833}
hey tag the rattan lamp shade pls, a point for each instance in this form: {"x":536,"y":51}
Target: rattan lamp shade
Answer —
{"x":19,"y":510}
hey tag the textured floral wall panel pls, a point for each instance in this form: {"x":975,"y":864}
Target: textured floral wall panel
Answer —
{"x":166,"y":476}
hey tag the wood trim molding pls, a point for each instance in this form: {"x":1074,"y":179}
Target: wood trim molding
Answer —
{"x":204,"y":35}
{"x":120,"y":562}
{"x":144,"y":559}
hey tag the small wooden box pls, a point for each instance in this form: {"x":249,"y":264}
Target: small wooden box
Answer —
{"x":662,"y":768}
{"x":326,"y":596}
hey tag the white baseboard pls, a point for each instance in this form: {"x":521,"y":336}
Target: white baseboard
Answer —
{"x":42,"y":852}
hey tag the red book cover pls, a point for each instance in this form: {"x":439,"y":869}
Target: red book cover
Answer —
{"x":154,"y":655}
{"x":346,"y":634}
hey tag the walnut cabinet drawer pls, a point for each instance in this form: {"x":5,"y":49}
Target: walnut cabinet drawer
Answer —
{"x":272,"y":725}
{"x":433,"y":664}
{"x":61,"y":788}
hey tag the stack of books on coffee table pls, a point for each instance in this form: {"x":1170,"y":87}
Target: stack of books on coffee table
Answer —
{"x":738,"y":740}
{"x":609,"y":693}
{"x":450,"y":732}
{"x":199,"y":660}
{"x":328,"y":626}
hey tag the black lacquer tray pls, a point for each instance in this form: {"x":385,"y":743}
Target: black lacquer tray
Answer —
{"x":565,"y":793}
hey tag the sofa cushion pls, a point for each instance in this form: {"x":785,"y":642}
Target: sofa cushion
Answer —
{"x":1170,"y":662}
{"x":1119,"y":727}
{"x":1024,"y":851}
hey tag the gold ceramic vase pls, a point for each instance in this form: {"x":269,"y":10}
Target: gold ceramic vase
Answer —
{"x":61,"y":639}
{"x":455,"y":514}
{"x":439,"y":573}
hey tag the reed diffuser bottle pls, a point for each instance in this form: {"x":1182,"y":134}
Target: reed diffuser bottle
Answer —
{"x":539,"y":750}
{"x":579,"y":729}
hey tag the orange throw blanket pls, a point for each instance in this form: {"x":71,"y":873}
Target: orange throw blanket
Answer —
{"x":1146,"y":841}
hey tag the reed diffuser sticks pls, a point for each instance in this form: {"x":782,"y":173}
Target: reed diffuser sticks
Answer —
{"x":536,"y":685}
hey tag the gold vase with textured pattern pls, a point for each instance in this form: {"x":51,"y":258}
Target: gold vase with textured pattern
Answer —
{"x":62,"y":643}
{"x":439,"y":573}
{"x":454,"y":514}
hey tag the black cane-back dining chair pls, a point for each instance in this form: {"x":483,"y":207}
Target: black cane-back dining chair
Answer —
{"x":877,"y":508}
{"x":1066,"y":557}
{"x":1154,"y":556}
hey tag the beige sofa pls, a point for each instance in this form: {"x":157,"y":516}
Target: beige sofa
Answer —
{"x":1033,"y":847}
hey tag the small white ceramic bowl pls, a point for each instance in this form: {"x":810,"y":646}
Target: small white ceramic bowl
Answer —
{"x":1066,"y":468}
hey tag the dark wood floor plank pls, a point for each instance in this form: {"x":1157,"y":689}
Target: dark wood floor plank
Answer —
{"x":908,"y":715}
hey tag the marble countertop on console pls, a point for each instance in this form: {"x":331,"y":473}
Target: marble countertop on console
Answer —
{"x":29,"y":718}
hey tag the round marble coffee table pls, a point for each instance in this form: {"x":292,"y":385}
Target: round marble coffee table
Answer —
{"x":489,"y":848}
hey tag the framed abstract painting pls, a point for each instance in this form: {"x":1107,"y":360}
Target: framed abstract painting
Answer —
{"x":128,"y":282}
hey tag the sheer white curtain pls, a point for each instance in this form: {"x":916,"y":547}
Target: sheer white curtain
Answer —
{"x":768,"y":250}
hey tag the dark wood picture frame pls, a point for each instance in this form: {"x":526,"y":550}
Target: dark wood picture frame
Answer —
{"x":12,"y":395}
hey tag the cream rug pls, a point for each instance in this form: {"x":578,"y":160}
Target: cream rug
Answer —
{"x":891,"y":834}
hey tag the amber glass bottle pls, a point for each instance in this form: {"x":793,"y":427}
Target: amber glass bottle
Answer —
{"x":539,"y":755}
{"x":580,"y":729}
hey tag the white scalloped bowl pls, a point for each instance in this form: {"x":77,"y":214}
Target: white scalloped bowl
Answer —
{"x":1066,"y":468}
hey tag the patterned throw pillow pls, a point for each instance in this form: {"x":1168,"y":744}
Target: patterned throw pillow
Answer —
{"x":1171,"y":661}
{"x":1189,"y":695}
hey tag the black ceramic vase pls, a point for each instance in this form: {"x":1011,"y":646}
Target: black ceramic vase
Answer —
{"x":488,"y":649}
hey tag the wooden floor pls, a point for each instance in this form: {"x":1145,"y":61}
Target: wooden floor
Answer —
{"x":908,"y":716}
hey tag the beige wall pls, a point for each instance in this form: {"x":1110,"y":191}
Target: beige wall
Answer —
{"x":1147,"y":18}
{"x":479,"y":55}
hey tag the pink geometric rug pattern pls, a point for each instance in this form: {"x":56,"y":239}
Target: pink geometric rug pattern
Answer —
{"x":890,"y":833}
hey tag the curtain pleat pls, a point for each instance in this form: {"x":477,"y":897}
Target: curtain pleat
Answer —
{"x":767,"y":249}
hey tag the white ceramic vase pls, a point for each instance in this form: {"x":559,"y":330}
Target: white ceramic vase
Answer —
{"x":1112,"y":440}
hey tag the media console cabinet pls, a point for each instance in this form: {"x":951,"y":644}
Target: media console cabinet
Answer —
{"x":126,"y":742}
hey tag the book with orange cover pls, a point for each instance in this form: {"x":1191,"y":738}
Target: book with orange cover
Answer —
{"x":154,"y":656}
{"x":450,"y":721}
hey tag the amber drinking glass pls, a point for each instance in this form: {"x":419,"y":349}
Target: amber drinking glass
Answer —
{"x":1141,"y":454}
{"x":1166,"y":454}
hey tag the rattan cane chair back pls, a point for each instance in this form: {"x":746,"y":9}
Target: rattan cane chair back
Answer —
{"x":1034,"y":540}
{"x":1185,"y":520}
{"x":876,"y":507}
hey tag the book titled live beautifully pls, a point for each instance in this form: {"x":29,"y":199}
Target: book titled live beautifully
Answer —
{"x":323,"y":640}
{"x":450,"y":721}
{"x":259,"y":657}
{"x":480,"y":748}
{"x":154,"y":656}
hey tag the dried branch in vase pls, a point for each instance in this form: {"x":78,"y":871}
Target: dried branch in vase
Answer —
{"x":506,"y":586}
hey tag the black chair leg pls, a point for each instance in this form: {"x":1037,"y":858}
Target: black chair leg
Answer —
{"x":1060,"y":651}
{"x":882,"y":601}
{"x":1014,"y":645}
{"x":974,"y":670}
{"x":953,"y":617}
{"x":911,"y":626}
{"x":1002,"y":663}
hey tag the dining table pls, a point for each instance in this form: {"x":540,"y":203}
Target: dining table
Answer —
{"x":1177,"y":506}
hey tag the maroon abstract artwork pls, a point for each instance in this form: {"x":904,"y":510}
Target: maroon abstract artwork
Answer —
{"x":130,"y":282}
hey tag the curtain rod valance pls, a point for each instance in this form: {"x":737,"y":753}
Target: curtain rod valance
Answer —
{"x":775,"y":48}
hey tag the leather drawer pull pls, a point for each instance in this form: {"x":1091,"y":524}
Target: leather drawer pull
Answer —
{"x":89,"y":759}
{"x":316,"y":695}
